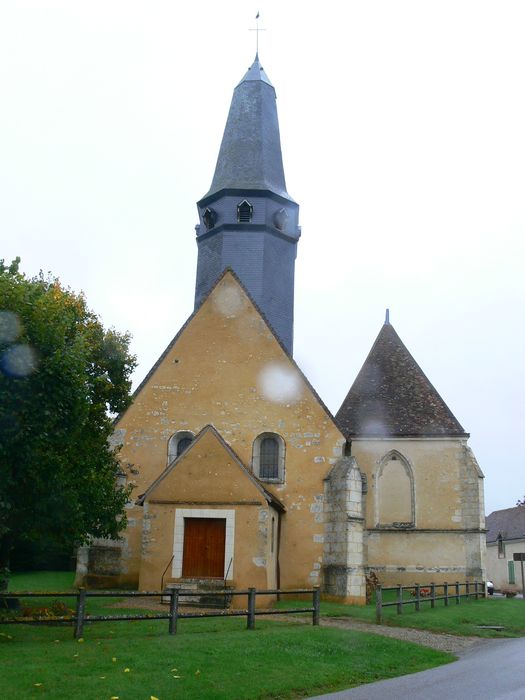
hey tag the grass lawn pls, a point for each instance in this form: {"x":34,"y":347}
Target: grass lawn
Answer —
{"x":214,"y":658}
{"x":462,"y":619}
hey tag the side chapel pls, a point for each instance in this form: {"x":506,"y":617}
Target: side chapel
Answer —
{"x":241,"y":474}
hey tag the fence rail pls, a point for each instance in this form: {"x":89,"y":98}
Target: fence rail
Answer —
{"x":427,"y":593}
{"x":81,"y":617}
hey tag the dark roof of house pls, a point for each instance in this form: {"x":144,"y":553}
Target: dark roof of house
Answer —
{"x":250,"y":156}
{"x":391,"y":396}
{"x":510,"y":522}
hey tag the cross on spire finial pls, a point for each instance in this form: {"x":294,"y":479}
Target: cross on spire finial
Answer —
{"x":257,"y":30}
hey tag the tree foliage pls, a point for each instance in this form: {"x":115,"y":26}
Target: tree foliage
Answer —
{"x":61,"y":376}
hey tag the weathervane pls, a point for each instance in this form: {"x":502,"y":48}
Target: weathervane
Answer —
{"x":257,"y":29}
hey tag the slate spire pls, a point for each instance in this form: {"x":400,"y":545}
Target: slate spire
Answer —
{"x":247,"y":219}
{"x":392,"y":397}
{"x":250,"y":154}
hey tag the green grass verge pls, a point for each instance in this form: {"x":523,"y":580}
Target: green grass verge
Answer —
{"x":42,"y":581}
{"x":462,"y":619}
{"x":215,"y":658}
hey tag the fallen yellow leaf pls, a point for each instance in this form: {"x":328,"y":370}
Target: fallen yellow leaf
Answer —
{"x":102,"y":677}
{"x":197,"y":672}
{"x":114,"y":659}
{"x":152,"y":697}
{"x":174,"y":670}
{"x":126,"y":670}
{"x":37,"y":685}
{"x":80,"y":640}
{"x":75,"y":654}
{"x":176,"y":676}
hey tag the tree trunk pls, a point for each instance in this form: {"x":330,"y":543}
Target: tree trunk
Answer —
{"x":6,"y":545}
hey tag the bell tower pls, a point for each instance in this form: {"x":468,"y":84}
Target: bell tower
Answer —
{"x":247,"y":220}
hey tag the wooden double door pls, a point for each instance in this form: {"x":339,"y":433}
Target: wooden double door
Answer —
{"x":204,"y":543}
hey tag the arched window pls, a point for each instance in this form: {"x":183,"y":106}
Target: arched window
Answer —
{"x":395,"y":497}
{"x":244,"y":212}
{"x":268,"y":457}
{"x":178,"y":443}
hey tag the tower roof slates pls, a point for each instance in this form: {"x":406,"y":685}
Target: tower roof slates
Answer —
{"x":392,"y":397}
{"x":250,"y":156}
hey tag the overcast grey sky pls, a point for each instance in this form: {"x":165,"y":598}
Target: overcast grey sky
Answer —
{"x":402,"y":126}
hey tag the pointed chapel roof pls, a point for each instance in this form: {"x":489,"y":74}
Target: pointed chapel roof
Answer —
{"x":391,"y":396}
{"x":250,"y":156}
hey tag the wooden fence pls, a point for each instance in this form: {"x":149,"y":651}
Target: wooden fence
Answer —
{"x":427,"y":594}
{"x":81,"y":616}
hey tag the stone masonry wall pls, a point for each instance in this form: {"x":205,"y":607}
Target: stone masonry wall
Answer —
{"x":343,"y":565}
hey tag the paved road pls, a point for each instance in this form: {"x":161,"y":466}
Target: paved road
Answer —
{"x":493,"y":671}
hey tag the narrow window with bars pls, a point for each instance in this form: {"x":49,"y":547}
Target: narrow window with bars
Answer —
{"x":268,"y":457}
{"x":244,"y":212}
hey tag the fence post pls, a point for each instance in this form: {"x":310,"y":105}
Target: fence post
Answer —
{"x":445,"y":592}
{"x":432,"y":595}
{"x":174,"y":610}
{"x":316,"y":605}
{"x":399,"y":599}
{"x":475,"y":590}
{"x":251,"y":609}
{"x":458,"y":595}
{"x":379,"y":604}
{"x":418,"y":597}
{"x":79,"y":615}
{"x":468,"y":589}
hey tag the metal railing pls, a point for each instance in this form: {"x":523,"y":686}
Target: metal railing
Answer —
{"x":427,"y":593}
{"x":81,"y":616}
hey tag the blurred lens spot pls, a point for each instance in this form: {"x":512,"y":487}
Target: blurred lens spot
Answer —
{"x":19,"y":361}
{"x":228,"y":300}
{"x":9,"y":327}
{"x":280,"y":384}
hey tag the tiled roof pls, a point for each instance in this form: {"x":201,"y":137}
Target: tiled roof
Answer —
{"x":391,"y":396}
{"x":510,"y":522}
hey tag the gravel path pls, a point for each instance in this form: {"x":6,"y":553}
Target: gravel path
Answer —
{"x":442,"y":642}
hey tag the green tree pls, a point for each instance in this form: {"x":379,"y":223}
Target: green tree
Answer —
{"x":62,"y":375}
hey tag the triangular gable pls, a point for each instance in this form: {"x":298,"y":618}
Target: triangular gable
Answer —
{"x":210,"y":465}
{"x":391,"y":396}
{"x":229,"y":275}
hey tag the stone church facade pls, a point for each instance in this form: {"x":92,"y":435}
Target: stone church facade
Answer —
{"x":240,"y":473}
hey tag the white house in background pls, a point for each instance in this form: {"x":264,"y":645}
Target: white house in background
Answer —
{"x":505,"y":537}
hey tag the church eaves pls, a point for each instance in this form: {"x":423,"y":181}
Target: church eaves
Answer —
{"x":392,"y":397}
{"x":250,"y":155}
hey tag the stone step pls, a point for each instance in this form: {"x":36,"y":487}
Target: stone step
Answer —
{"x":202,"y":594}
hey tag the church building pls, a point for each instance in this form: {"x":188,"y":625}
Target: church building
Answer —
{"x":241,"y":475}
